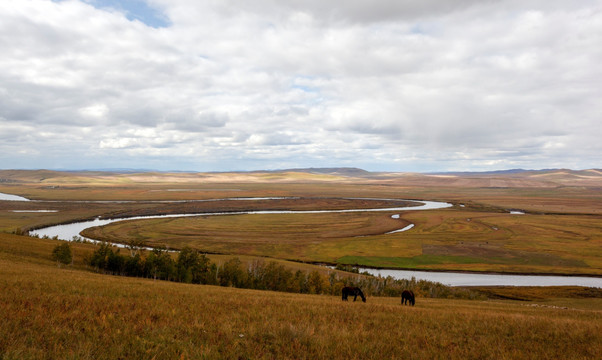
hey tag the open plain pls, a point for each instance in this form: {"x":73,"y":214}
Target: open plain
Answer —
{"x":526,"y":222}
{"x":530,"y":222}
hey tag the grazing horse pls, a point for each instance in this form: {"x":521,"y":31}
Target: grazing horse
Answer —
{"x":355,"y":291}
{"x":408,"y":296}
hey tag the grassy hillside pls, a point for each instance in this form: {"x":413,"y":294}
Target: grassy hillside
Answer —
{"x":51,"y":312}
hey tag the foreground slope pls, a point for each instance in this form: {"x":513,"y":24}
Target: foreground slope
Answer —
{"x":50,"y":312}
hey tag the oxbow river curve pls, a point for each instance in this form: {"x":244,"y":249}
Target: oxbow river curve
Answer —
{"x":68,"y":231}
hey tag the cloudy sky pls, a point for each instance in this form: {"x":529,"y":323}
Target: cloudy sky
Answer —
{"x":217,"y":85}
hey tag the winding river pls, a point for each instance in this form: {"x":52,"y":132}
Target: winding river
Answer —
{"x":68,"y":231}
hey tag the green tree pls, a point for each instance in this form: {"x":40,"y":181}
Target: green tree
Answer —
{"x":316,"y":283}
{"x":232,"y":274}
{"x":100,"y":257}
{"x":134,"y":266}
{"x":192,"y":266}
{"x":62,"y":254}
{"x":160,"y":265}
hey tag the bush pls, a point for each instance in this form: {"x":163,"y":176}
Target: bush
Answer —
{"x":62,"y":254}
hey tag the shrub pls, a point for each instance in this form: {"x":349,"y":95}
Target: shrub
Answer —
{"x":62,"y":254}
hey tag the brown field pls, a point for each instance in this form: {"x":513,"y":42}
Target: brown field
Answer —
{"x":71,"y":313}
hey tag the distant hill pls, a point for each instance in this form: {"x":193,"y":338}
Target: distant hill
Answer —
{"x":495,"y":172}
{"x":589,"y":172}
{"x":344,"y":171}
{"x":501,"y":178}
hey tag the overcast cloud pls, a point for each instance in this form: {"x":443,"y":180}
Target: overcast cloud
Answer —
{"x":268,"y":84}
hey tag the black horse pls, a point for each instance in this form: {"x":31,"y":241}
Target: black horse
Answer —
{"x":355,"y":291}
{"x":407,"y":296}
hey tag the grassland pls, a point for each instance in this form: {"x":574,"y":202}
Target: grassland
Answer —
{"x":453,"y":239}
{"x":71,"y":313}
{"x":560,"y":233}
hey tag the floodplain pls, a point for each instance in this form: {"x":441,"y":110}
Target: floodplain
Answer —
{"x":531,"y":222}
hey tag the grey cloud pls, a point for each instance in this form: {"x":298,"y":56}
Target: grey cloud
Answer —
{"x":355,"y":10}
{"x":189,"y":120}
{"x":398,"y":83}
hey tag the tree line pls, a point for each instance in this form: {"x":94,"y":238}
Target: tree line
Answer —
{"x":191,"y":266}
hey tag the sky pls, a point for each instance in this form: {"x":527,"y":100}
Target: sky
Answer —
{"x":221,"y":85}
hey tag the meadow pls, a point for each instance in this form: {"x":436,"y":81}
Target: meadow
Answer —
{"x":69,"y":312}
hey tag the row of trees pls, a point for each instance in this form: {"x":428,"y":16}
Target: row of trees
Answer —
{"x":192,"y":267}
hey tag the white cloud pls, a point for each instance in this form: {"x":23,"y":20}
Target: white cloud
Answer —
{"x":398,"y":85}
{"x":94,"y":111}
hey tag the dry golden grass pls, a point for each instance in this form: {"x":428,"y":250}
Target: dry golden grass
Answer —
{"x":68,"y":313}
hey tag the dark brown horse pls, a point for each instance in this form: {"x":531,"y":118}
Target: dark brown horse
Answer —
{"x":407,"y":296}
{"x":355,"y":291}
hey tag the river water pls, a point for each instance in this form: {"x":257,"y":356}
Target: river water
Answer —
{"x":68,"y":231}
{"x":472,"y":279}
{"x":10,"y":197}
